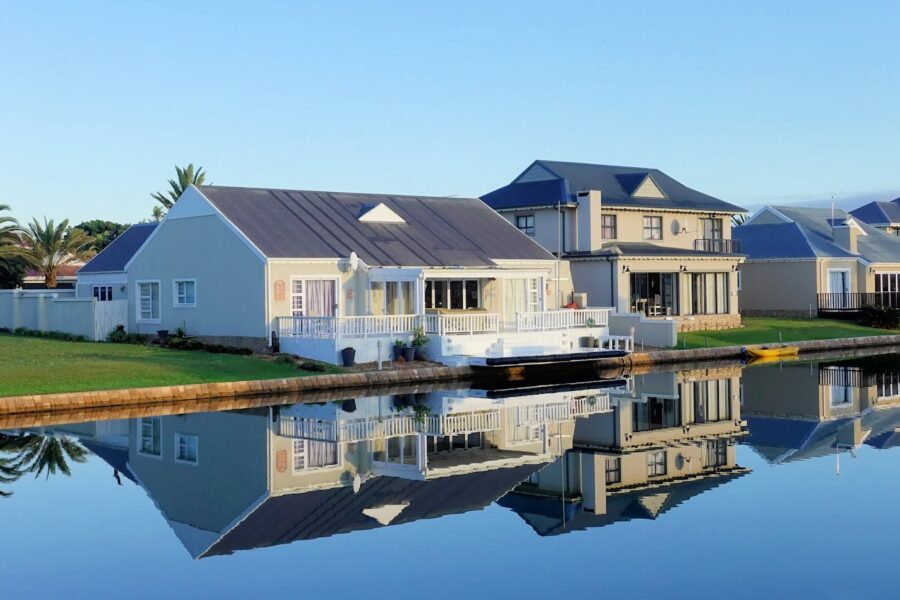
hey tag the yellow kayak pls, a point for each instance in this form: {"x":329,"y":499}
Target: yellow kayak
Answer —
{"x":769,"y":360}
{"x":772,"y":352}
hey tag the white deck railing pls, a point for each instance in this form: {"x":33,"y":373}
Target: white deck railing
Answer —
{"x":471,"y":323}
{"x":462,"y":423}
{"x":550,"y":320}
{"x":377,"y":428}
{"x":335,"y":327}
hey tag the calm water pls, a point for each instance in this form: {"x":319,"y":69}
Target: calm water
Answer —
{"x":774,"y":480}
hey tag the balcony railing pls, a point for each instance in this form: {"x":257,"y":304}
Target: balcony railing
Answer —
{"x":551,"y":320}
{"x":378,"y":428}
{"x":718,"y":246}
{"x":852,"y":302}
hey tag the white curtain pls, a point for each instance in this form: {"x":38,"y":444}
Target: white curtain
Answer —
{"x":320,"y":298}
{"x":515,"y":300}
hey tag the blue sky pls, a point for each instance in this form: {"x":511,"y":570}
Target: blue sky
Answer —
{"x":750,"y":102}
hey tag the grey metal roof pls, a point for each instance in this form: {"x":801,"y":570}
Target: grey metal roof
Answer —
{"x":438,"y":232}
{"x":114,"y":257}
{"x":878,"y":213}
{"x":646,"y":249}
{"x":808,"y":234}
{"x":322,"y":513}
{"x":616,"y":185}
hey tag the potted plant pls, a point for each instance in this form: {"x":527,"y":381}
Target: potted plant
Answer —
{"x":398,"y":348}
{"x":163,"y":335}
{"x":419,"y":341}
{"x":420,"y":412}
{"x":348,"y":356}
{"x":409,"y":353}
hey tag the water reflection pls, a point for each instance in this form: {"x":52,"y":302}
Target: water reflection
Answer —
{"x":562,"y":458}
{"x":667,"y":439}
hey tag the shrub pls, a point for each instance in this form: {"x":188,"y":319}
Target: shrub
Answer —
{"x":120,"y":336}
{"x":880,"y":317}
{"x":51,"y":335}
{"x":188,"y":343}
{"x":313,"y":366}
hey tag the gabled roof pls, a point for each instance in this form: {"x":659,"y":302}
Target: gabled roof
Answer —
{"x":114,"y":257}
{"x":790,"y":232}
{"x":439,"y":232}
{"x":322,"y":513}
{"x":547,"y":182}
{"x":879,"y":213}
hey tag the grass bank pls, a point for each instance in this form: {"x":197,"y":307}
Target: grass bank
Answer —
{"x":43,"y":366}
{"x":765,"y":330}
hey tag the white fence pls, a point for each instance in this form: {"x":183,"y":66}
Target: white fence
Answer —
{"x":43,"y":310}
{"x":551,"y":320}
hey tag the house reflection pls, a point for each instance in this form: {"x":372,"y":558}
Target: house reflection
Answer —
{"x":239,"y":480}
{"x":804,"y":410}
{"x":670,"y":438}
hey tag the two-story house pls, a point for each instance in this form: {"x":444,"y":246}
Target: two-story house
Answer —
{"x":631,"y":238}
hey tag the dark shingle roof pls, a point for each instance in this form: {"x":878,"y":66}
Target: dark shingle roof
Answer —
{"x":616,"y":184}
{"x":437,"y":231}
{"x":808,"y":234}
{"x":878,"y":213}
{"x":114,"y":257}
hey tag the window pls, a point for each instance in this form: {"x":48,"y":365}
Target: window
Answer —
{"x":712,"y":400}
{"x":709,"y":293}
{"x":314,"y":455}
{"x":656,"y":463}
{"x":653,"y":228}
{"x":608,"y":228}
{"x":613,"y":470}
{"x":525,"y":223}
{"x":656,"y":413}
{"x":313,"y":297}
{"x":716,"y":453}
{"x":455,"y":294}
{"x":103,"y":293}
{"x":711,"y":229}
{"x":185,"y":292}
{"x":654,"y":294}
{"x":186,"y":448}
{"x":150,"y":443}
{"x":148,"y":301}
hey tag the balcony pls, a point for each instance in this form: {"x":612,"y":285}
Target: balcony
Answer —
{"x":851,"y":303}
{"x":718,"y":246}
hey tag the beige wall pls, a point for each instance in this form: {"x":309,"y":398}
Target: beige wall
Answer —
{"x":352,"y":285}
{"x":796,"y":284}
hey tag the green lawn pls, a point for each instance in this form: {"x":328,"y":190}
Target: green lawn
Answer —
{"x":763,"y":330}
{"x":39,"y":366}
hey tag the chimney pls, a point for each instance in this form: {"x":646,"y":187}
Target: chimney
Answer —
{"x":589,"y":222}
{"x":845,"y":235}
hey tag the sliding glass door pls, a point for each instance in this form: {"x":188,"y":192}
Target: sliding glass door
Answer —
{"x":654,"y":294}
{"x":709,"y":293}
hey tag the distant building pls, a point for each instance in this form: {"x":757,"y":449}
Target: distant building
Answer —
{"x":881,"y":215}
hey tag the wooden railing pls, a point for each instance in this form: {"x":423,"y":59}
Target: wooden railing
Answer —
{"x":464,"y":323}
{"x":562,"y":319}
{"x":854,"y":301}
{"x":718,"y":246}
{"x":462,"y":423}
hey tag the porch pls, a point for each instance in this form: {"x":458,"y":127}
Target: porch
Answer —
{"x":849,"y":304}
{"x":453,"y":336}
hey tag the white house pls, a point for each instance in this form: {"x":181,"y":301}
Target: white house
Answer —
{"x":320,"y":271}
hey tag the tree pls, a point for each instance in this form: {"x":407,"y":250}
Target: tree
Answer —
{"x":185,"y":178}
{"x":738,"y":219}
{"x":9,"y":233}
{"x":157,"y":214}
{"x":103,"y":232}
{"x":32,"y":453}
{"x":49,"y":246}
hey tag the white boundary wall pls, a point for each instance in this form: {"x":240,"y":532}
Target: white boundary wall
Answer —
{"x":45,"y":310}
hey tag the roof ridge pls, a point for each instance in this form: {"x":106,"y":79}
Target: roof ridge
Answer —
{"x":379,"y":194}
{"x":587,"y":164}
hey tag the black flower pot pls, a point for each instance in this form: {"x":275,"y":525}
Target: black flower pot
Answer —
{"x":398,"y":352}
{"x":163,"y":334}
{"x":348,"y":356}
{"x":409,"y":354}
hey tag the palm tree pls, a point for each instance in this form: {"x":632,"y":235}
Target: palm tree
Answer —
{"x":49,"y":246}
{"x":738,"y":219}
{"x":186,"y":178}
{"x":9,"y":230}
{"x":157,"y":214}
{"x":47,"y":454}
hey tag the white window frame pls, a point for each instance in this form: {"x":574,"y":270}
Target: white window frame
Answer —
{"x":525,"y":229}
{"x":182,"y":461}
{"x":645,"y":228}
{"x":137,"y":301}
{"x":175,"y":302}
{"x":307,"y":468}
{"x":100,"y":286}
{"x":140,"y":437}
{"x":338,"y":293}
{"x":448,"y":280}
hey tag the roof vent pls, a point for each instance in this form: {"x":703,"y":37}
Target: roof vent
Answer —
{"x":379,"y":213}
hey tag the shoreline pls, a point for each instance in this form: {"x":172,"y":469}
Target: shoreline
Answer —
{"x":224,"y":395}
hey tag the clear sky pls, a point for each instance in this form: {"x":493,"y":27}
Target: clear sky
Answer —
{"x":751,"y":102}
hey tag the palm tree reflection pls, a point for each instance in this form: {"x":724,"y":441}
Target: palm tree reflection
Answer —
{"x":32,"y":453}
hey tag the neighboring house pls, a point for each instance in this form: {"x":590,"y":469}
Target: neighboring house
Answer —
{"x":320,"y":271}
{"x":103,"y":277}
{"x":240,"y":480}
{"x":669,"y":438}
{"x":65,"y":278}
{"x":632,"y":238}
{"x":881,"y":215}
{"x":796,"y":412}
{"x":800,"y":260}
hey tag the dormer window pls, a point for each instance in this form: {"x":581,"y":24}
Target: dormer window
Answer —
{"x":379,"y":213}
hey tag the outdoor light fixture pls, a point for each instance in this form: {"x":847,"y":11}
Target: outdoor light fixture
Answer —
{"x":626,"y":268}
{"x":683,"y":269}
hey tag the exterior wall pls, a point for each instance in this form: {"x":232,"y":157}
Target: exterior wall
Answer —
{"x":796,"y":282}
{"x":352,"y":292}
{"x":596,"y":279}
{"x":60,"y":311}
{"x":230,"y":280}
{"x":117,"y":281}
{"x":546,"y":227}
{"x":231,"y":467}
